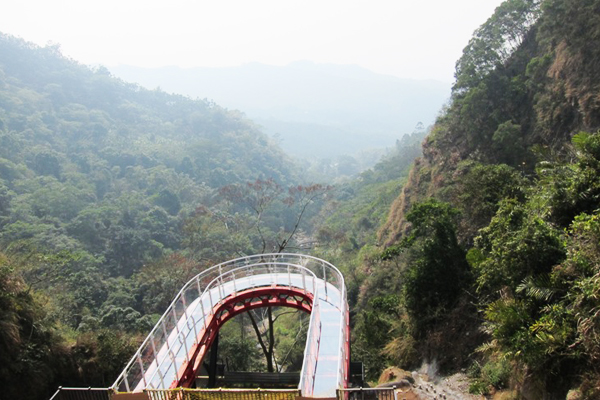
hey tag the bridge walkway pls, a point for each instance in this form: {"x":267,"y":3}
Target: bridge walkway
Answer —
{"x":172,"y":352}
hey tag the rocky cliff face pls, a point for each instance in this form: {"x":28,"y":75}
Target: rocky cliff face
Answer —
{"x":528,"y":103}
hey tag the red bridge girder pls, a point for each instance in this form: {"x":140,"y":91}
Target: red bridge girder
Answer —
{"x":269,"y":296}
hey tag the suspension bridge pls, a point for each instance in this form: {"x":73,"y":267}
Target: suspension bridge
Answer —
{"x":172,"y":354}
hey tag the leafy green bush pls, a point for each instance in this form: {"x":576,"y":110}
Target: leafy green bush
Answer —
{"x":496,"y":373}
{"x":436,"y":265}
{"x":479,"y":387}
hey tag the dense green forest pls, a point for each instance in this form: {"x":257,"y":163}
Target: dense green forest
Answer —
{"x":482,"y":254}
{"x":488,"y":260}
{"x":112,"y":197}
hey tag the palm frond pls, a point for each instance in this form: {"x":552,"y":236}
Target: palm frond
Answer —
{"x":538,"y":288}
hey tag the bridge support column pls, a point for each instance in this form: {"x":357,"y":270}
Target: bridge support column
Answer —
{"x":212,"y":366}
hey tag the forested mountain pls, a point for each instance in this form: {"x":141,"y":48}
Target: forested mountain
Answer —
{"x":91,"y":163}
{"x":112,"y":196}
{"x":489,"y":260}
{"x":317,"y":111}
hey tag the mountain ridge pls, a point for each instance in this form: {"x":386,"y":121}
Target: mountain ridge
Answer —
{"x":342,"y":101}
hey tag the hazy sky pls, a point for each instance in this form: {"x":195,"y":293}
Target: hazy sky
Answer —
{"x":410,"y":39}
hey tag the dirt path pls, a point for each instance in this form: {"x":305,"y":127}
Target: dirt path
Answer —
{"x":455,"y":387}
{"x":421,"y":386}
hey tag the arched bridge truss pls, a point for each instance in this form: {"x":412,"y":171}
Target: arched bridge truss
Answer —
{"x":172,"y":353}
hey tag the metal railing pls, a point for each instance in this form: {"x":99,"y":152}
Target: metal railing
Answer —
{"x":222,"y":394}
{"x":311,"y":352}
{"x":158,"y":361}
{"x":176,"y":394}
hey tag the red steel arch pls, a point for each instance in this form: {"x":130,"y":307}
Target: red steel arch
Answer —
{"x":270,"y":296}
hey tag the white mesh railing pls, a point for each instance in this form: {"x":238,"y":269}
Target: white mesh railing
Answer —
{"x":311,"y":352}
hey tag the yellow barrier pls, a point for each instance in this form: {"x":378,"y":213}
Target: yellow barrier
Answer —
{"x":176,"y":394}
{"x":220,"y":394}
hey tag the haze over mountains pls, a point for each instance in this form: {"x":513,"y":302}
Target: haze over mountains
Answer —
{"x":316,"y":110}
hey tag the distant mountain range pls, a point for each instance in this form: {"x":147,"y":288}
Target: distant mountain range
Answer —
{"x":316,"y":110}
